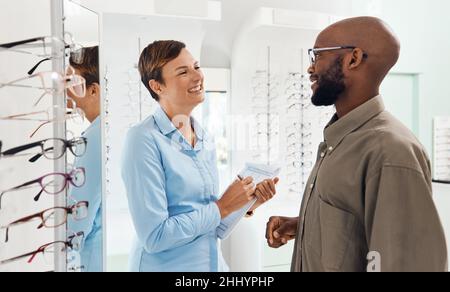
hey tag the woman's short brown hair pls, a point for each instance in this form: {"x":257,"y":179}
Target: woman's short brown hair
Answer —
{"x":88,"y":65}
{"x":154,"y":57}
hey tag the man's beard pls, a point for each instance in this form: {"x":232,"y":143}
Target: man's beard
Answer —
{"x":330,"y":85}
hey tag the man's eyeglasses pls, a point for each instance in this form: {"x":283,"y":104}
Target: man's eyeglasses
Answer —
{"x":52,"y":82}
{"x":53,"y":183}
{"x":52,"y":149}
{"x":49,"y":250}
{"x":313,"y":53}
{"x":53,"y":217}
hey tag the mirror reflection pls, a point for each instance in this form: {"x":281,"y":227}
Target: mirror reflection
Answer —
{"x":83,"y":25}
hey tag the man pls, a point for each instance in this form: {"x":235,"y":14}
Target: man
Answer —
{"x":91,"y":253}
{"x":369,"y":196}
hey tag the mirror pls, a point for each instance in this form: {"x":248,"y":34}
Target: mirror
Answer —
{"x":44,"y":132}
{"x":82,"y":25}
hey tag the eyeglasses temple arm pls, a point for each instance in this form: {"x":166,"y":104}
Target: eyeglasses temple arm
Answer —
{"x":22,"y":148}
{"x":37,"y":65}
{"x":38,"y":128}
{"x":26,"y":184}
{"x":37,"y":156}
{"x":18,"y":80}
{"x":19,"y":257}
{"x":18,"y":43}
{"x":39,"y":99}
{"x":38,"y":196}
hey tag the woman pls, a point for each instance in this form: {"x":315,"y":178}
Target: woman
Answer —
{"x":91,"y":253}
{"x":170,"y":174}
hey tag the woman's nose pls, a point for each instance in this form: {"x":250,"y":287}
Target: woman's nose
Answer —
{"x":198,"y":75}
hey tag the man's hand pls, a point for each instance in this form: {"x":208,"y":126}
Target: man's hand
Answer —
{"x":280,"y":230}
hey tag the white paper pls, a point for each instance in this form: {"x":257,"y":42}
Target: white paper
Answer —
{"x":259,"y":172}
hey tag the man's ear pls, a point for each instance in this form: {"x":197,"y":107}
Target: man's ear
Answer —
{"x":357,"y":58}
{"x":155,"y":86}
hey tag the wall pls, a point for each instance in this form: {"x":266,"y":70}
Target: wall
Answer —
{"x":423,"y":28}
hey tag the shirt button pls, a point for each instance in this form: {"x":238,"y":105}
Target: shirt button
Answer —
{"x":322,"y":154}
{"x":331,"y":149}
{"x":311,"y":186}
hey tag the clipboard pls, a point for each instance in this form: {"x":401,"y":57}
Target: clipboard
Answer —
{"x":259,"y":172}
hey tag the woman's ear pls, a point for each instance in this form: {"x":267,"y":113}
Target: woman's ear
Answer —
{"x":155,"y":86}
{"x":94,"y":90}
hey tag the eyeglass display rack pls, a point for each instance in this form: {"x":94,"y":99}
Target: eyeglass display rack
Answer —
{"x":288,"y":127}
{"x":59,"y":257}
{"x":441,"y":149}
{"x":264,"y":106}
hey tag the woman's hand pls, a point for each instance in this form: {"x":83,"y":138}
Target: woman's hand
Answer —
{"x":238,"y":194}
{"x":265,"y":191}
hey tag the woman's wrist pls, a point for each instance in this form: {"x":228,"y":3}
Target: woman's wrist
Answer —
{"x":222,"y":210}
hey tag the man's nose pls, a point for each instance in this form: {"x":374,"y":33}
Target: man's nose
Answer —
{"x":311,"y":69}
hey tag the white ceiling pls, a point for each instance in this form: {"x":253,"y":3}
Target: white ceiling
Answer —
{"x":220,"y":35}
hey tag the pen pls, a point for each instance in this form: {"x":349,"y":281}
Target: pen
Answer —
{"x":249,"y":213}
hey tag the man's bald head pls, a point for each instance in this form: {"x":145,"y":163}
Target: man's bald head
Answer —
{"x":370,"y":34}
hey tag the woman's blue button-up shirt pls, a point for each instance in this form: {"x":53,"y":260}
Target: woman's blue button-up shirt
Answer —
{"x":92,"y":251}
{"x":172,"y":189}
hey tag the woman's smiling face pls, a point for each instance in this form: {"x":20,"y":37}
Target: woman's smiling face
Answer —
{"x":183,"y":81}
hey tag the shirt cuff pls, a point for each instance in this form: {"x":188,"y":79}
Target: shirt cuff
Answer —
{"x":215,"y":214}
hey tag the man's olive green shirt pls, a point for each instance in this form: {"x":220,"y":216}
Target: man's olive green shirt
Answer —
{"x":369,"y":192}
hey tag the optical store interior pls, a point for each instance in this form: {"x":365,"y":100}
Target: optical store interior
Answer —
{"x":97,"y":173}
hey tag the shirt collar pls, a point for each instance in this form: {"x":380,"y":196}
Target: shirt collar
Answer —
{"x":338,"y":129}
{"x":167,"y":127}
{"x":95,"y":124}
